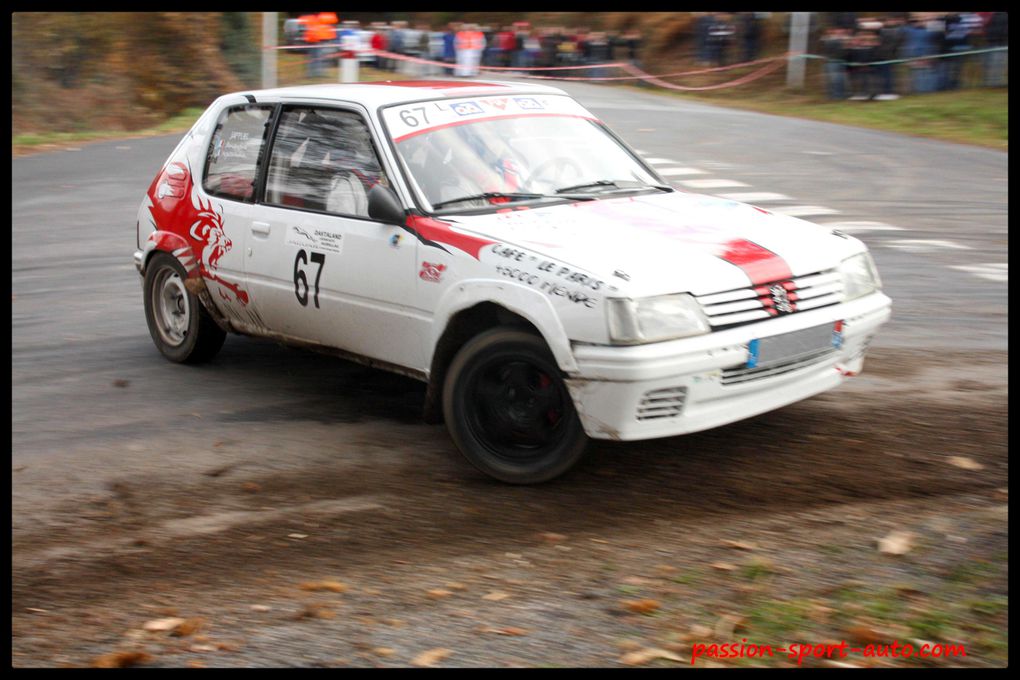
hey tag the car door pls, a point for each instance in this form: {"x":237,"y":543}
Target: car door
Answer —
{"x":319,"y":268}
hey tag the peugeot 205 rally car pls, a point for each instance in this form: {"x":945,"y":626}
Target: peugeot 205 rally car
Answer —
{"x":498,"y":242}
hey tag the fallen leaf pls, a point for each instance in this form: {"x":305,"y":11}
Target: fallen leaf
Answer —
{"x":188,"y":626}
{"x":966,"y":463}
{"x":552,"y":537}
{"x":495,"y":596}
{"x":508,"y":630}
{"x":699,"y":632}
{"x":438,"y":593}
{"x":384,"y":651}
{"x":297,"y":535}
{"x":456,"y":586}
{"x":162,"y":625}
{"x":332,"y":586}
{"x":896,"y":543}
{"x":121,"y":660}
{"x":866,"y":635}
{"x":726,"y":625}
{"x":260,"y":608}
{"x":251,"y":487}
{"x":203,"y":648}
{"x":431,"y":657}
{"x":636,"y":581}
{"x":723,"y":566}
{"x":513,"y":630}
{"x":739,"y":545}
{"x":645,"y":606}
{"x":643,"y":656}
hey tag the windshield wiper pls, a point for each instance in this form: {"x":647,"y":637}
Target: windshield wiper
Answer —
{"x":587,"y":185}
{"x":614,"y":185}
{"x":486,"y":195}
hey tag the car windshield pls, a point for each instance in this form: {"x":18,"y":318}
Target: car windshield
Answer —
{"x":504,"y":156}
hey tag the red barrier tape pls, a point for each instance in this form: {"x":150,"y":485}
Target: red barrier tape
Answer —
{"x":771,"y":64}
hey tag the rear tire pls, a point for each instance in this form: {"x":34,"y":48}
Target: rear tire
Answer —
{"x":509,"y":411}
{"x":180,"y":327}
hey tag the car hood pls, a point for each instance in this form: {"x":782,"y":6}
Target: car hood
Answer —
{"x":668,"y":243}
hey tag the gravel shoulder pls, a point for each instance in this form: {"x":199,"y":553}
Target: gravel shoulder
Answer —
{"x":344,"y":532}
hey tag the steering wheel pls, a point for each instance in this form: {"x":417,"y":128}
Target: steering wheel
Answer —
{"x":559,"y":165}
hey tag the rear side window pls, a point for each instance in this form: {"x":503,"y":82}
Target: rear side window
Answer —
{"x":323,"y":160}
{"x":234,"y":152}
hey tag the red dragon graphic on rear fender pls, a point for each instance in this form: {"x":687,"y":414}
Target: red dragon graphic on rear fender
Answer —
{"x":177,"y":207}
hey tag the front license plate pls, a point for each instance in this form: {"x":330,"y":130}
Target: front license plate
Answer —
{"x":777,"y":349}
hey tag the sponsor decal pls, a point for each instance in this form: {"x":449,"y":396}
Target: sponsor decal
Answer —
{"x":466,"y":109}
{"x":317,"y":239}
{"x":433,"y":273}
{"x":395,"y":240}
{"x":176,"y":207}
{"x":528,"y":103}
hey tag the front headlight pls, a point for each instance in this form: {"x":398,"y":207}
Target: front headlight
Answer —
{"x":665,"y":317}
{"x":859,"y":276}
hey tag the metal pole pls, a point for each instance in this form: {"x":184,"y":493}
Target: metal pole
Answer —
{"x":798,"y":45}
{"x":269,"y":49}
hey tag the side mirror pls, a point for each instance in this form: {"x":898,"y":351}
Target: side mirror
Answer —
{"x":384,"y":206}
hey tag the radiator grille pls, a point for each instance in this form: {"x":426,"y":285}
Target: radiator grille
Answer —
{"x":756,"y":303}
{"x":737,"y":376}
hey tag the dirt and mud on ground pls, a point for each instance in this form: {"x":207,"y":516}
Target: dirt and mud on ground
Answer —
{"x":344,"y":532}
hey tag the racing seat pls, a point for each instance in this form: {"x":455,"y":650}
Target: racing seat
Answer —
{"x":347,"y":195}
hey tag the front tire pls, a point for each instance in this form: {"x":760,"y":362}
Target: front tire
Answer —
{"x":508,"y":410}
{"x":180,"y":327}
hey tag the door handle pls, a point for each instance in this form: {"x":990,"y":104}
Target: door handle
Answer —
{"x":261,"y":228}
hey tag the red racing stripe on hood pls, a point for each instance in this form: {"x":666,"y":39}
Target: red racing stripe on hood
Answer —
{"x":760,"y":264}
{"x":432,"y":232}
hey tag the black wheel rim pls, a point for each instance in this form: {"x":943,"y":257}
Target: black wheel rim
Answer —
{"x":516,"y":408}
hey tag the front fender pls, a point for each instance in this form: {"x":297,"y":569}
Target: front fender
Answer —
{"x":517,"y":298}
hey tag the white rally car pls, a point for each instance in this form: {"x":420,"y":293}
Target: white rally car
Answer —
{"x":498,"y":242}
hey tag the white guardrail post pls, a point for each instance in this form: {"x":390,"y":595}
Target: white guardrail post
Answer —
{"x":269,"y":49}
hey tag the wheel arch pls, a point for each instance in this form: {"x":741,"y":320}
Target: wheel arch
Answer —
{"x":468,"y":310}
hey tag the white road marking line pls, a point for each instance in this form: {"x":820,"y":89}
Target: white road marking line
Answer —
{"x":711,"y":183}
{"x":993,"y":272}
{"x":673,"y":172}
{"x":801,"y":210}
{"x":920,"y":244}
{"x":854,"y":227}
{"x":755,"y":197}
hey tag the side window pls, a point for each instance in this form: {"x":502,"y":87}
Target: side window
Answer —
{"x":233,"y":154}
{"x":323,"y":159}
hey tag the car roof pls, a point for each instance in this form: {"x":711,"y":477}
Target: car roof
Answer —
{"x":395,"y":91}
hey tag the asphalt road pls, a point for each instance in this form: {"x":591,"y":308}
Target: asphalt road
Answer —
{"x":96,"y":408}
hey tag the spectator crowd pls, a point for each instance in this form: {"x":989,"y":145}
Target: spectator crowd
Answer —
{"x":863,"y":55}
{"x":464,"y":47}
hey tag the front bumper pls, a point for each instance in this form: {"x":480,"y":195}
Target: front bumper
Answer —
{"x":681,"y":386}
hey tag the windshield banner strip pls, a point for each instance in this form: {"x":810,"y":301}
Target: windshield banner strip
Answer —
{"x":488,"y":118}
{"x":404,"y":119}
